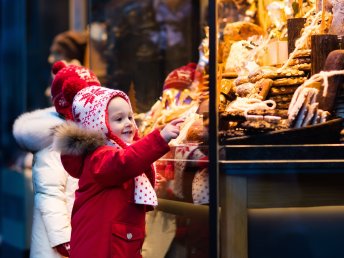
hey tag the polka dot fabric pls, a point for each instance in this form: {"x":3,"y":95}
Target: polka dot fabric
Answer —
{"x":144,"y":192}
{"x":200,"y":182}
{"x":200,"y":187}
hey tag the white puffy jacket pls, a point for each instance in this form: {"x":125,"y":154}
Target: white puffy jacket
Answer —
{"x":53,"y":187}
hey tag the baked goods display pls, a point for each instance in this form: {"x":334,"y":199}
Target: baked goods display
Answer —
{"x":257,"y":99}
{"x":288,"y":90}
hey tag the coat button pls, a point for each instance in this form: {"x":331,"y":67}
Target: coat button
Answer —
{"x":129,"y":236}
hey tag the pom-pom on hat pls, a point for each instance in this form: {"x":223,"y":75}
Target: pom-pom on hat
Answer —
{"x":180,"y":78}
{"x":69,"y":79}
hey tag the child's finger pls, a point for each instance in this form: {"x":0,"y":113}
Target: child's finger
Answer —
{"x":177,"y":121}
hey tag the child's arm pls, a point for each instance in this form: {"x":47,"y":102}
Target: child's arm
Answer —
{"x":111,"y":166}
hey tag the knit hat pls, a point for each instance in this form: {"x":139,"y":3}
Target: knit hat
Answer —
{"x":67,"y":46}
{"x":90,"y":110}
{"x":69,"y":79}
{"x":180,"y":78}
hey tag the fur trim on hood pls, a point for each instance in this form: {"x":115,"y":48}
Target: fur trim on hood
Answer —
{"x":70,"y":139}
{"x":33,"y":130}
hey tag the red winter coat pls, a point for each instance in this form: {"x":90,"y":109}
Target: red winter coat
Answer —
{"x":105,"y":220}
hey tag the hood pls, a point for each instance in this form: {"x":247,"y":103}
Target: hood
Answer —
{"x":74,"y":143}
{"x":70,"y":139}
{"x":33,"y":130}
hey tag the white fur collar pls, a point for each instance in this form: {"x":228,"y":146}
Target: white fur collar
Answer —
{"x":33,"y":130}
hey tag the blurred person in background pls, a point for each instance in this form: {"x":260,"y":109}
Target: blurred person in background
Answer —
{"x":69,"y":46}
{"x":53,"y":187}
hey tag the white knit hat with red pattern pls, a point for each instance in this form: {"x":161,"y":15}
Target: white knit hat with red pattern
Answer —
{"x":90,"y":109}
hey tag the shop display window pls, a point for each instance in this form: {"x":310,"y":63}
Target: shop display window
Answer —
{"x":257,"y":170}
{"x":262,"y":137}
{"x":150,"y":50}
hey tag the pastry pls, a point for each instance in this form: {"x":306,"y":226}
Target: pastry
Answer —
{"x":241,"y":80}
{"x":241,"y":30}
{"x":227,"y":86}
{"x":262,"y":87}
{"x":243,"y":90}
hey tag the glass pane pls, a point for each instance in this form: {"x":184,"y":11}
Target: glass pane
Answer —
{"x":265,"y":50}
{"x":141,"y":42}
{"x":150,"y":50}
{"x":279,"y":184}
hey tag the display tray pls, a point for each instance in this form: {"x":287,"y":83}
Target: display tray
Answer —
{"x":324,"y":133}
{"x":310,"y":152}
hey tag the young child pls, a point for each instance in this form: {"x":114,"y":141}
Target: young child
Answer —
{"x":114,"y":167}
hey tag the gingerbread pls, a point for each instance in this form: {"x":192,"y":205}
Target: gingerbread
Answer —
{"x":288,"y":81}
{"x":284,"y":90}
{"x":262,"y":87}
{"x":274,"y":73}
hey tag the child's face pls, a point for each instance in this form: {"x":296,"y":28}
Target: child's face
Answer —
{"x":121,"y":119}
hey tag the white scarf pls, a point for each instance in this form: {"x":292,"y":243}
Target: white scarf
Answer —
{"x":144,"y":192}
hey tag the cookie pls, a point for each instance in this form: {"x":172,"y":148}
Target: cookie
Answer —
{"x":301,"y":60}
{"x":232,"y":132}
{"x":305,"y":53}
{"x":302,"y":67}
{"x":283,"y":105}
{"x":262,"y":87}
{"x":282,"y":90}
{"x":269,"y":112}
{"x":288,"y":81}
{"x":282,"y":98}
{"x":233,"y":115}
{"x":274,"y":73}
{"x":259,"y":126}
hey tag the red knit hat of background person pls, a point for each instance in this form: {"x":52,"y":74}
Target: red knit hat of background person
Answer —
{"x":180,"y":78}
{"x":69,"y":76}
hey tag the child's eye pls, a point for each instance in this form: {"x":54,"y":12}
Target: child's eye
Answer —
{"x":130,"y":118}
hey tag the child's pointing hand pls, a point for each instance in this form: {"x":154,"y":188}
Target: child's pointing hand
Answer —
{"x":171,"y":130}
